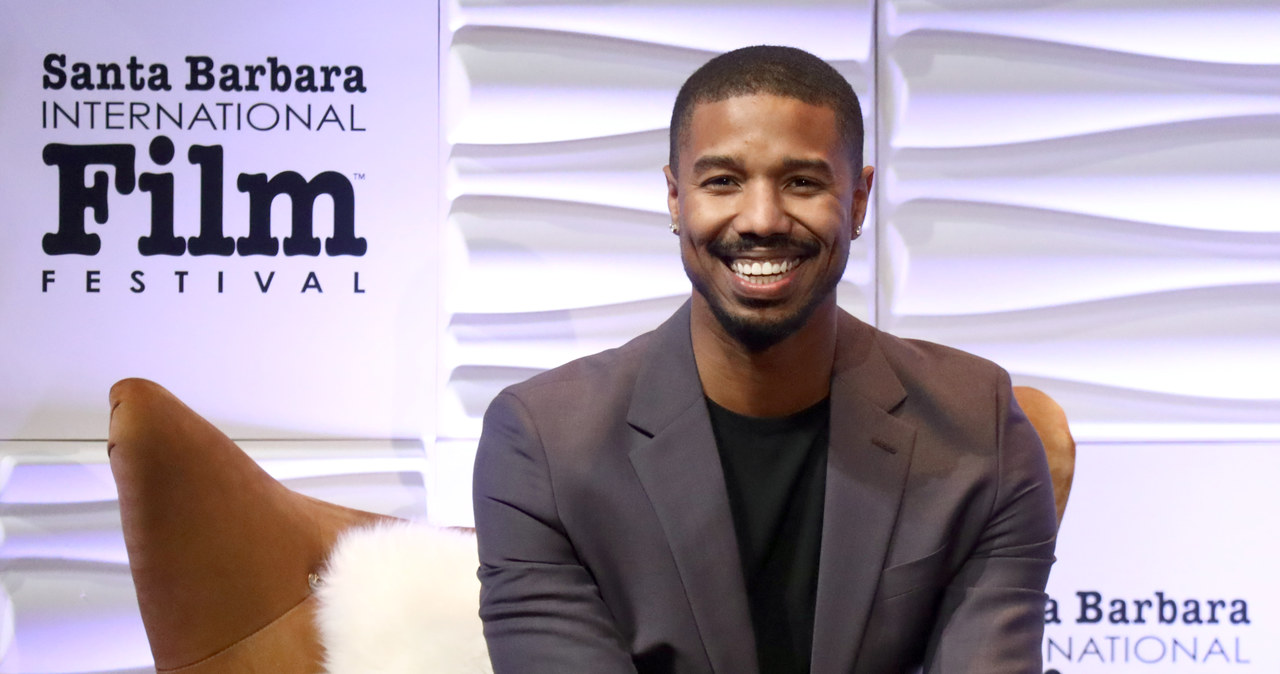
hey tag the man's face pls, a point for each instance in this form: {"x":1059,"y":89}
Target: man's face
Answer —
{"x":767,"y":204}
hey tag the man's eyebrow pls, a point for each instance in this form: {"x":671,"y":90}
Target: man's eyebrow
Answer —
{"x":812,"y":165}
{"x":713,"y":162}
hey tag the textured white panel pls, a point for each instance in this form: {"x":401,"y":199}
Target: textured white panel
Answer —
{"x":448,"y":483}
{"x":1221,"y":31}
{"x":1085,"y":193}
{"x":556,"y":119}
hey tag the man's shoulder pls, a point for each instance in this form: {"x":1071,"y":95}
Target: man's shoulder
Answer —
{"x":934,"y":382}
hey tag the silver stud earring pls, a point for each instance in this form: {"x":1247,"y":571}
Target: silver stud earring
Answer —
{"x":675,"y":229}
{"x":857,"y":231}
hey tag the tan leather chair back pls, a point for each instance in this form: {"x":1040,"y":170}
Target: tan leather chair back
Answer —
{"x":1050,"y":422}
{"x":219,"y":550}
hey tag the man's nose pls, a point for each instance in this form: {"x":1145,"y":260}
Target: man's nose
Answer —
{"x":762,"y":213}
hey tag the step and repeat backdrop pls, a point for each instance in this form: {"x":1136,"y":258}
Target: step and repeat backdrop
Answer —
{"x":238,"y":200}
{"x":337,"y":230}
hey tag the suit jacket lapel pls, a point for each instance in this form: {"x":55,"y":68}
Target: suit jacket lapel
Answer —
{"x":678,"y":465}
{"x":867,"y":462}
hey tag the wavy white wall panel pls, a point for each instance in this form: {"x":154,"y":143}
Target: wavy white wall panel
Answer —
{"x":556,"y":120}
{"x":1085,"y":192}
{"x":66,"y":596}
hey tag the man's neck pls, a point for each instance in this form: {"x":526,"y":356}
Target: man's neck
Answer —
{"x":785,"y":378}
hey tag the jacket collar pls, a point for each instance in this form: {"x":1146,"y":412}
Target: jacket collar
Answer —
{"x":679,"y":468}
{"x":867,"y":462}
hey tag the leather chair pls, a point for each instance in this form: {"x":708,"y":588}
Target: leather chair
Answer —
{"x":221,"y":553}
{"x":1050,"y":422}
{"x":219,"y":550}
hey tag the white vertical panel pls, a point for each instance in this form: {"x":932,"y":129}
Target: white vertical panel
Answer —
{"x":1085,"y":192}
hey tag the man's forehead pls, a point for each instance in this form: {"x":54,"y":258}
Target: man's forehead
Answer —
{"x":811,"y":130}
{"x":721,"y":107}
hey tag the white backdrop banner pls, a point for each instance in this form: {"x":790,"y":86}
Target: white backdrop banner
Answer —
{"x":1165,"y":561}
{"x":235,"y":199}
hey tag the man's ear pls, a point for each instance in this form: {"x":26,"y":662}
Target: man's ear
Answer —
{"x":673,"y":194}
{"x":861,"y":197}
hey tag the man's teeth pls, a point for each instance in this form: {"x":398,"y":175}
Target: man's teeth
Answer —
{"x":762,"y":271}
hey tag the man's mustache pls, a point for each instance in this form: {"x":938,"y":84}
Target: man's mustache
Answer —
{"x":743,"y":243}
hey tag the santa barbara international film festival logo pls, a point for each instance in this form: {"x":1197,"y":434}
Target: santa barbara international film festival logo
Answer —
{"x":130,"y":95}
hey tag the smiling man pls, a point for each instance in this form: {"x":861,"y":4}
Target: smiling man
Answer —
{"x":764,"y":483}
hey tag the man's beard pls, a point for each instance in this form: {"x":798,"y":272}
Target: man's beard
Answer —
{"x":752,"y":332}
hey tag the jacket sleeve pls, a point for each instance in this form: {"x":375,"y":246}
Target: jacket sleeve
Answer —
{"x":541,"y":608}
{"x":992,"y":613}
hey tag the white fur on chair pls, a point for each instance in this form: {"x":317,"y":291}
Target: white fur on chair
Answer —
{"x":402,"y":597}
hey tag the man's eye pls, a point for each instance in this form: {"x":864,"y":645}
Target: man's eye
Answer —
{"x":718,"y":181}
{"x":805,"y":183}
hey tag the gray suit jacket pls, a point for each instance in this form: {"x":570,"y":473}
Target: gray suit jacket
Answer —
{"x":607,"y":544}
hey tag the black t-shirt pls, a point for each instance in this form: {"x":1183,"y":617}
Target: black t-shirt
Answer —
{"x":775,"y":472}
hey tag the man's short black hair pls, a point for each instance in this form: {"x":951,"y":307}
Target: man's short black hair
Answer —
{"x":780,"y":71}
